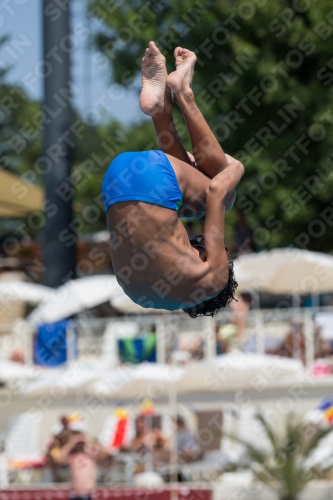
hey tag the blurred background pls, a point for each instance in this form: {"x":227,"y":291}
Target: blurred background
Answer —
{"x":87,"y":375}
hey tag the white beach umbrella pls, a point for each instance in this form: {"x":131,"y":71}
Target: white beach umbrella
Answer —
{"x":124,"y":304}
{"x":75,"y":296}
{"x":32,"y":293}
{"x":238,"y":370}
{"x":147,"y":380}
{"x":11,"y":371}
{"x":285,"y":271}
{"x":60,"y":383}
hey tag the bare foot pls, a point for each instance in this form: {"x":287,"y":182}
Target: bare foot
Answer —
{"x":155,"y":95}
{"x":181,"y":79}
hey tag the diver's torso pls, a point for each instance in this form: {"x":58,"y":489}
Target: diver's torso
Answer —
{"x":148,"y":246}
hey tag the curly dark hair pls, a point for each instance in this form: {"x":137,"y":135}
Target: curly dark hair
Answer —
{"x":211,"y":307}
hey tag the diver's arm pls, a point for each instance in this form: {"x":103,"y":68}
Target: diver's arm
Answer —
{"x":217,"y":192}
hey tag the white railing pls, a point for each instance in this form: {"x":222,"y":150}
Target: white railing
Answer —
{"x":261,"y":325}
{"x":173,"y":329}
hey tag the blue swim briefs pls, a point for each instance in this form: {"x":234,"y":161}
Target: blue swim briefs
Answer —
{"x":143,"y":176}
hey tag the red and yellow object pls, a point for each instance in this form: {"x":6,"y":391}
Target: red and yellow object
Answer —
{"x":119,"y":435}
{"x":329,"y":415}
{"x":147,"y":408}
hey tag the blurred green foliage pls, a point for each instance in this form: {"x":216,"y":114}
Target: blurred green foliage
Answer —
{"x":284,"y":460}
{"x":264,"y":82}
{"x":15,"y":116}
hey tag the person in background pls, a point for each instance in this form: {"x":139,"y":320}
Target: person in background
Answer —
{"x":146,"y":441}
{"x":227,"y":336}
{"x":196,"y":348}
{"x":293,"y":345}
{"x":137,"y":445}
{"x":84,"y":468}
{"x":187,"y":446}
{"x":323,"y":348}
{"x":83,"y":475}
{"x":188,"y":449}
{"x":74,"y":457}
{"x":101,"y":454}
{"x":18,"y":356}
{"x":67,"y":440}
{"x":240,"y":311}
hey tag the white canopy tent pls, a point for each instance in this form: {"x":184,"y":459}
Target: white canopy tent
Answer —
{"x":83,"y":293}
{"x":62,"y":382}
{"x":75,"y":296}
{"x":238,"y":370}
{"x":288,"y":271}
{"x":31,"y":293}
{"x":146,"y":380}
{"x":13,"y":204}
{"x":11,"y":371}
{"x":285,"y":271}
{"x":124,"y":304}
{"x":228,"y":372}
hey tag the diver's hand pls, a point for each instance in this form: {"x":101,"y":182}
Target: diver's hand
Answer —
{"x":224,"y":183}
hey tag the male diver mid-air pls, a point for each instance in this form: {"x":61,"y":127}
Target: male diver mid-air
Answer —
{"x":146,"y":192}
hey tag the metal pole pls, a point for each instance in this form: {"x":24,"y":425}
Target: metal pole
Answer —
{"x":315,"y":306}
{"x":160,"y":340}
{"x":259,"y":325}
{"x":148,"y":459}
{"x":173,"y":440}
{"x":309,"y":328}
{"x":71,"y":343}
{"x":59,"y":239}
{"x":296,"y":318}
{"x":210,"y":337}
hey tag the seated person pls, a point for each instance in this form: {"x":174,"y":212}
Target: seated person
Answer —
{"x":101,"y":454}
{"x":146,"y":441}
{"x":293,"y":345}
{"x":240,"y":308}
{"x":64,"y":442}
{"x":74,"y":457}
{"x":187,"y":446}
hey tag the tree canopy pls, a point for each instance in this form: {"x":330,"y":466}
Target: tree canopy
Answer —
{"x":264,"y":82}
{"x":20,"y":138}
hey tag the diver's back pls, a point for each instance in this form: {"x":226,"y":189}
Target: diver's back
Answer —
{"x":146,"y":241}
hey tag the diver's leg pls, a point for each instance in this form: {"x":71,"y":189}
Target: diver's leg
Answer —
{"x":209,"y":155}
{"x":156,"y":101}
{"x":167,"y":136}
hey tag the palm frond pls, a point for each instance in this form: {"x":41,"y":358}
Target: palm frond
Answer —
{"x":319,"y":434}
{"x":265,"y":475}
{"x":255,"y":453}
{"x":269,"y":431}
{"x":284,"y":468}
{"x":294,"y":431}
